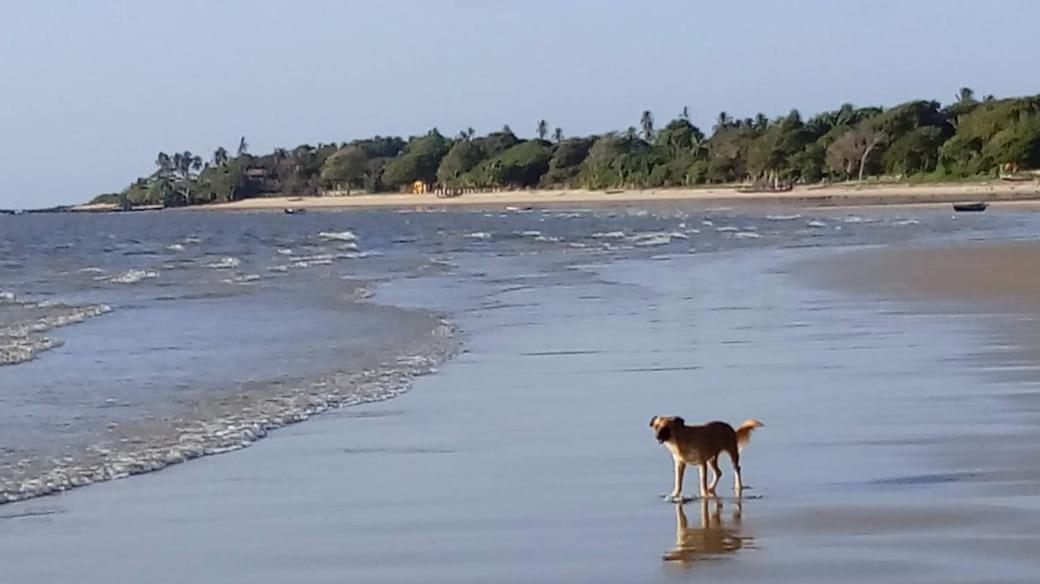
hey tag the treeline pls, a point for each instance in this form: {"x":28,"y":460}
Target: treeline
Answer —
{"x":924,"y":139}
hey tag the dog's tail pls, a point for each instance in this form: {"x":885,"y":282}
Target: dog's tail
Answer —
{"x":744,"y":431}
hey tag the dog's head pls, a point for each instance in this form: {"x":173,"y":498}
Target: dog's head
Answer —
{"x":664,"y":426}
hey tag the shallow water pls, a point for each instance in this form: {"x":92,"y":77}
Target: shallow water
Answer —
{"x":527,"y":458}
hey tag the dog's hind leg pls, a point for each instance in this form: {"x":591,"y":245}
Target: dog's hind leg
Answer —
{"x":680,"y":470}
{"x":716,"y":474}
{"x":738,"y":482}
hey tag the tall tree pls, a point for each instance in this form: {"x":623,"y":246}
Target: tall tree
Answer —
{"x":243,"y":146}
{"x":685,"y":114}
{"x":646,"y":122}
{"x":542,"y":129}
{"x":723,"y":121}
{"x":966,"y":95}
{"x":220,"y":156}
{"x":163,"y":161}
{"x":344,"y":168}
{"x":852,"y":150}
{"x":558,"y":135}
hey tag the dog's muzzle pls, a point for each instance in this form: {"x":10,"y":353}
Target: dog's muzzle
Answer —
{"x":663,"y":435}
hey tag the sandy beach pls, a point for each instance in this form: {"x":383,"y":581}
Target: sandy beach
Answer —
{"x":528,"y":458}
{"x":808,"y":196}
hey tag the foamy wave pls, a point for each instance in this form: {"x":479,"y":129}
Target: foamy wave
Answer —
{"x":783,"y":217}
{"x":133,"y":276}
{"x":817,"y":224}
{"x":609,"y":235}
{"x":21,"y":334}
{"x":230,"y":424}
{"x":338,"y":235}
{"x":226,"y":263}
{"x":482,"y":235}
{"x":312,"y":263}
{"x":243,"y":279}
{"x":652,"y":240}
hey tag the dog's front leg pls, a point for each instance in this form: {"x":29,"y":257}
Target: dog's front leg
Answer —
{"x":680,"y":469}
{"x":703,"y":468}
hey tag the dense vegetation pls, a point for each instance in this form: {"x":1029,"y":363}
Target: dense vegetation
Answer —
{"x":918,"y":139}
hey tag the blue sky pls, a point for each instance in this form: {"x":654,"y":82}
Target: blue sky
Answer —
{"x":91,"y":91}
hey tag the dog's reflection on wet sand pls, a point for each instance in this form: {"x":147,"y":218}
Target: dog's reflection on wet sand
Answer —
{"x":714,"y":537}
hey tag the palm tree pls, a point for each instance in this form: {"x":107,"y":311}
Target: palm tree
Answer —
{"x":966,"y":95}
{"x":470,"y":132}
{"x":220,"y":156}
{"x":647,"y":123}
{"x":163,"y":162}
{"x":243,"y":146}
{"x":542,"y":129}
{"x":506,"y":129}
{"x":558,"y":135}
{"x":723,"y":121}
{"x":685,"y":113}
{"x":761,"y":121}
{"x":631,"y":133}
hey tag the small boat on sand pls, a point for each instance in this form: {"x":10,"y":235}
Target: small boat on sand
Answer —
{"x":970,"y":207}
{"x":294,"y":211}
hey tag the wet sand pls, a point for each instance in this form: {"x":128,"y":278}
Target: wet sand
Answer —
{"x":528,"y":459}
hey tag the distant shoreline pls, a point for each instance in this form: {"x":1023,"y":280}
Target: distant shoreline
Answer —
{"x":809,"y":196}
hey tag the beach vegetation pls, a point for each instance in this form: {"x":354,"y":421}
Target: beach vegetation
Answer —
{"x":916,"y":141}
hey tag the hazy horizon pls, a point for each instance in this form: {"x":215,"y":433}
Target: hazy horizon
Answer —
{"x":93,"y":92}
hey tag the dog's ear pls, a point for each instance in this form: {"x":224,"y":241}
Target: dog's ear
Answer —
{"x":679,"y":421}
{"x":652,"y":420}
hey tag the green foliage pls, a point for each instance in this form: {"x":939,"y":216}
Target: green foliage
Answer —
{"x":418,"y":162}
{"x":380,"y":147}
{"x":496,"y":143}
{"x":610,"y":160}
{"x":994,"y":133}
{"x":679,"y":137}
{"x":345,"y":168}
{"x":524,"y":164}
{"x":566,"y":162}
{"x":462,"y":157}
{"x":918,"y":141}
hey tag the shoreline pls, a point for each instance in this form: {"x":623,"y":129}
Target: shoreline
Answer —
{"x":364,"y":485}
{"x":229,"y":428}
{"x":807,"y":196}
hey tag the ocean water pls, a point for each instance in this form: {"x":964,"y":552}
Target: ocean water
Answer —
{"x":131,"y":342}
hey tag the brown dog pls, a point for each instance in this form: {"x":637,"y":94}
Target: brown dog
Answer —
{"x":701,"y":445}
